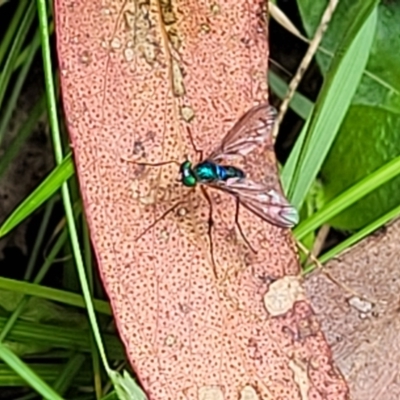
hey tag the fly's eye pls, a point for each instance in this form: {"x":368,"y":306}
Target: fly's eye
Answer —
{"x":189,"y":180}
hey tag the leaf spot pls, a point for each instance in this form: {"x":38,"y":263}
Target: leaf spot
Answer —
{"x":116,"y":43}
{"x":210,"y":393}
{"x":187,"y":113}
{"x":248,"y":393}
{"x":282,"y":295}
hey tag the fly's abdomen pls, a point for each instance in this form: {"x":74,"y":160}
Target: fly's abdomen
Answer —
{"x":210,"y":172}
{"x":231,"y":172}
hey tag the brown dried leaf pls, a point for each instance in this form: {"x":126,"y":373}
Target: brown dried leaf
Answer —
{"x":358,"y":302}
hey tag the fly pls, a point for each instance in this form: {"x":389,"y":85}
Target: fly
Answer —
{"x":252,"y":130}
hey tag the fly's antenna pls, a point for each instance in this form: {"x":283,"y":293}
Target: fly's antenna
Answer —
{"x":193,"y":144}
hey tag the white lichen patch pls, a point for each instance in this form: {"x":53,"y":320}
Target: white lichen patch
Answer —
{"x":248,"y":393}
{"x":300,"y":377}
{"x":187,"y":113}
{"x":129,"y":54}
{"x":177,"y":79}
{"x":116,"y":43}
{"x":363,"y":306}
{"x":282,"y":295}
{"x":182,"y":211}
{"x":170,"y":340}
{"x":210,"y":393}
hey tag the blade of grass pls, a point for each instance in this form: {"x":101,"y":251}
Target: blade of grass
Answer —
{"x":48,"y":372}
{"x":14,"y":51}
{"x":333,"y":102}
{"x":39,"y":239}
{"x":288,"y":171}
{"x":89,"y":271}
{"x":24,"y":53}
{"x":300,"y":104}
{"x":42,"y":272}
{"x":16,"y":90}
{"x":382,"y":175}
{"x":28,"y":374}
{"x":11,"y":29}
{"x":70,"y":371}
{"x":76,"y":339}
{"x":353,"y":239}
{"x":23,"y":133}
{"x":42,"y":193}
{"x":48,"y":293}
{"x":55,"y":131}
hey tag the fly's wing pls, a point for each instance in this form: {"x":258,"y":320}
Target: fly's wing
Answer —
{"x":266,"y":203}
{"x":252,"y":129}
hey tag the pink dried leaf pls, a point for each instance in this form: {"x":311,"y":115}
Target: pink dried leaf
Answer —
{"x":155,"y":80}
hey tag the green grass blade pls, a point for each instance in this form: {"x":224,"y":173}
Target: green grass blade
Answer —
{"x":353,"y":239}
{"x":349,"y":197}
{"x":126,"y":387}
{"x":16,"y":90}
{"x":299,"y":103}
{"x":42,"y":10}
{"x":288,"y":171}
{"x":48,"y":372}
{"x":27,"y":374}
{"x":71,"y":369}
{"x":11,"y":29}
{"x":87,"y":251}
{"x":39,"y":239}
{"x":48,"y":293}
{"x":334,"y":100}
{"x":14,"y":51}
{"x":43,"y":335}
{"x":31,"y":264}
{"x":41,"y":274}
{"x":26,"y":129}
{"x":52,"y":294}
{"x":42,"y":193}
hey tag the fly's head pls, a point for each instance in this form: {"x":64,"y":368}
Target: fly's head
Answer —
{"x":188,"y":177}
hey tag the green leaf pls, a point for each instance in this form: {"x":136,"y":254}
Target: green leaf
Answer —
{"x":43,"y":192}
{"x":333,"y":102}
{"x":299,"y":103}
{"x":349,"y":197}
{"x":126,"y":387}
{"x":368,"y":136}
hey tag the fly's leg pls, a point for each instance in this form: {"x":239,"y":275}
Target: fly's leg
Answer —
{"x":159,"y":164}
{"x":157,"y":220}
{"x":240,"y":228}
{"x":209,"y":230}
{"x":209,"y":201}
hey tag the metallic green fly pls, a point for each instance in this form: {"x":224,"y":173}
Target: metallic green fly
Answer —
{"x":252,"y":130}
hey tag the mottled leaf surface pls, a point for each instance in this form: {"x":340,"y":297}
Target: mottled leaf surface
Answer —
{"x":200,"y":314}
{"x":358,"y":304}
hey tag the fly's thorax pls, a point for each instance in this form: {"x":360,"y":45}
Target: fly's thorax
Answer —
{"x":206,"y":171}
{"x":188,"y":178}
